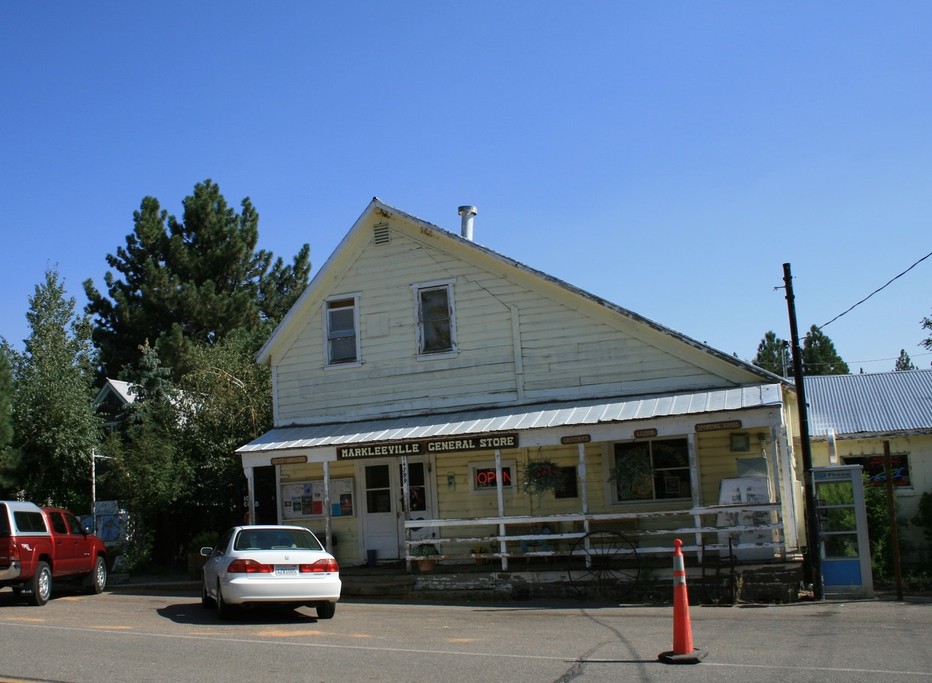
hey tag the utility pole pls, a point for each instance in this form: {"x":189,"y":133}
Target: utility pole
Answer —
{"x":812,"y":520}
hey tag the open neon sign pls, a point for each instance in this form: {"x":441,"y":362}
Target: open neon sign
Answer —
{"x":486,"y":477}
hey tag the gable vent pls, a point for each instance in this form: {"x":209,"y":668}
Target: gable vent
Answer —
{"x":381,"y":234}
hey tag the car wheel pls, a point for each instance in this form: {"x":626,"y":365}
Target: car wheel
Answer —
{"x":40,"y":585}
{"x":224,"y":611}
{"x":96,"y":581}
{"x":206,"y":601}
{"x":326,"y":610}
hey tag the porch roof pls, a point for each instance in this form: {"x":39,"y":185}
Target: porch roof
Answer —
{"x":516,"y":418}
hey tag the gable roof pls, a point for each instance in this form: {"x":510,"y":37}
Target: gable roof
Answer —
{"x":870,"y":404}
{"x":116,"y":387}
{"x":378,"y":209}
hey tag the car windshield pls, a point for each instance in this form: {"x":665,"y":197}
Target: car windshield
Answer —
{"x":276,"y":539}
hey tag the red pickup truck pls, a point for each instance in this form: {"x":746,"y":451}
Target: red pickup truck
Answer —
{"x":41,"y":544}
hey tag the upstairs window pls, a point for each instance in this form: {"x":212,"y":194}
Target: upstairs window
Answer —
{"x":652,"y":470}
{"x":436,"y":328}
{"x":342,"y":339}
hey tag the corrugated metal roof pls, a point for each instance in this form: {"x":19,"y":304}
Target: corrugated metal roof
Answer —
{"x":520,"y":418}
{"x":879,"y":403}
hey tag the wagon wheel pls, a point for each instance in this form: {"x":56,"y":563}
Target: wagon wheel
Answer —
{"x":604,"y":564}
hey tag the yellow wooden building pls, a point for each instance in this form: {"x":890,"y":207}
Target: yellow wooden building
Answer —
{"x":428,"y":390}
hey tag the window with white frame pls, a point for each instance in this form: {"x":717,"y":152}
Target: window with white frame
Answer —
{"x":651,"y":470}
{"x":342,"y":337}
{"x":436,"y":325}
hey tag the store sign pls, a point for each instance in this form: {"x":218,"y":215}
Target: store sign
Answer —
{"x":576,"y":438}
{"x":485,"y":442}
{"x":718,"y":426}
{"x":644,"y":433}
{"x":290,"y":460}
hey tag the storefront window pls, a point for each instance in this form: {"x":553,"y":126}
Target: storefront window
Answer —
{"x":876,"y":473}
{"x":652,"y":470}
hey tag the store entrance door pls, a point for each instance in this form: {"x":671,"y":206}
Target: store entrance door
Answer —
{"x":384,"y":511}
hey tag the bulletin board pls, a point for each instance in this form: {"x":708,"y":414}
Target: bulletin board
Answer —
{"x":306,"y":499}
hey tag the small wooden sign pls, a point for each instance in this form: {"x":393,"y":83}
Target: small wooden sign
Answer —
{"x":576,"y":438}
{"x":718,"y":426}
{"x":290,"y":460}
{"x":644,"y":433}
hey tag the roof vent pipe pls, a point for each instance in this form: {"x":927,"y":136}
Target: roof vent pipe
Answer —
{"x":467,"y":213}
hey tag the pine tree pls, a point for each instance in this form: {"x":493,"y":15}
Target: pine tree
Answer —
{"x":773,"y":355}
{"x":819,"y":355}
{"x":904,"y":362}
{"x":927,"y":325}
{"x":189,"y":281}
{"x":55,"y":427}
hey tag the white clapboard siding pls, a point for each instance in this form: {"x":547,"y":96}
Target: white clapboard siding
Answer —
{"x":520,"y":338}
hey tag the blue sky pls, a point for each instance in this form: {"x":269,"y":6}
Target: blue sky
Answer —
{"x":667,"y":156}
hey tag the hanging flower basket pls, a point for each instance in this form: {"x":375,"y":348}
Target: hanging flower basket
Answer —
{"x":541,"y":476}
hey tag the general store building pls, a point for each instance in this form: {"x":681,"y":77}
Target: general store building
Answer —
{"x":421,"y":373}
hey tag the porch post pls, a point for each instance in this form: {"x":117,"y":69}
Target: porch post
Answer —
{"x":584,"y":496}
{"x":328,"y":519}
{"x":405,"y":502}
{"x":692,"y":448}
{"x":501,"y":507}
{"x":250,"y":495}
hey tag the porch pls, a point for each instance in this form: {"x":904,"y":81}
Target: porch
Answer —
{"x":732,"y":553}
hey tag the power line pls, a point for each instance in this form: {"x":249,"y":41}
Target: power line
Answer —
{"x":876,"y":290}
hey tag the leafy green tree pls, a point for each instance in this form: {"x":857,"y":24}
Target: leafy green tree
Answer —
{"x":773,"y":355}
{"x":226,"y":402}
{"x":189,"y":281}
{"x":819,"y":355}
{"x":904,"y":362}
{"x":149,"y":468}
{"x":55,"y":427}
{"x":7,"y":485}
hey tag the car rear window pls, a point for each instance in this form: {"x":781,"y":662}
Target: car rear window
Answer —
{"x":4,"y":520}
{"x":276,"y":539}
{"x":29,"y":521}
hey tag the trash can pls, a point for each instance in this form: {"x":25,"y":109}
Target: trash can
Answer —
{"x":372,"y":558}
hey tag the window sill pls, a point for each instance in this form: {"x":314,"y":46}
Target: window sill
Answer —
{"x":341,"y":366}
{"x":437,"y":356}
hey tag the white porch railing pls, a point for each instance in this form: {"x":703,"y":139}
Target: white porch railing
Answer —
{"x":651,"y":533}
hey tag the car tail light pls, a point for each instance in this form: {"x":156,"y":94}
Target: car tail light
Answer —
{"x":249,"y":567}
{"x":14,"y":552}
{"x":321,"y":566}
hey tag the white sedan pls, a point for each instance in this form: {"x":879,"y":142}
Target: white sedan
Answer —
{"x":270,"y":564}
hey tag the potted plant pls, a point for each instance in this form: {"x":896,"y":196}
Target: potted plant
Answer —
{"x":479,"y":550}
{"x":425,"y":552}
{"x":541,"y":476}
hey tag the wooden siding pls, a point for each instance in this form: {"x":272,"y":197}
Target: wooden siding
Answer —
{"x":564,"y":353}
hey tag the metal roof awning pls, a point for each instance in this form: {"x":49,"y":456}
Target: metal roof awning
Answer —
{"x":516,"y":418}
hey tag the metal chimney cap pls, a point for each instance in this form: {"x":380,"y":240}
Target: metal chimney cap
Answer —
{"x":464,"y":210}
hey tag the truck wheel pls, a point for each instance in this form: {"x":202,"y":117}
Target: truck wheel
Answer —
{"x":40,"y":585}
{"x":96,"y":581}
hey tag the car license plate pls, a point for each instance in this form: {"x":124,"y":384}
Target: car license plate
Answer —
{"x":286,"y":570}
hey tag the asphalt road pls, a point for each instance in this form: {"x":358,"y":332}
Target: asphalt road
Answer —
{"x":122,"y":636}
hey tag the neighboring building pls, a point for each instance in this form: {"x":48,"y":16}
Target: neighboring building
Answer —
{"x":112,"y":399}
{"x":850,"y":418}
{"x":420,"y":373}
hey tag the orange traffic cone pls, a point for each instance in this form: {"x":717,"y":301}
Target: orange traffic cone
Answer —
{"x":683,"y":651}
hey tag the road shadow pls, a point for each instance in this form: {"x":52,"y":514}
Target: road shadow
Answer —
{"x":193,"y":613}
